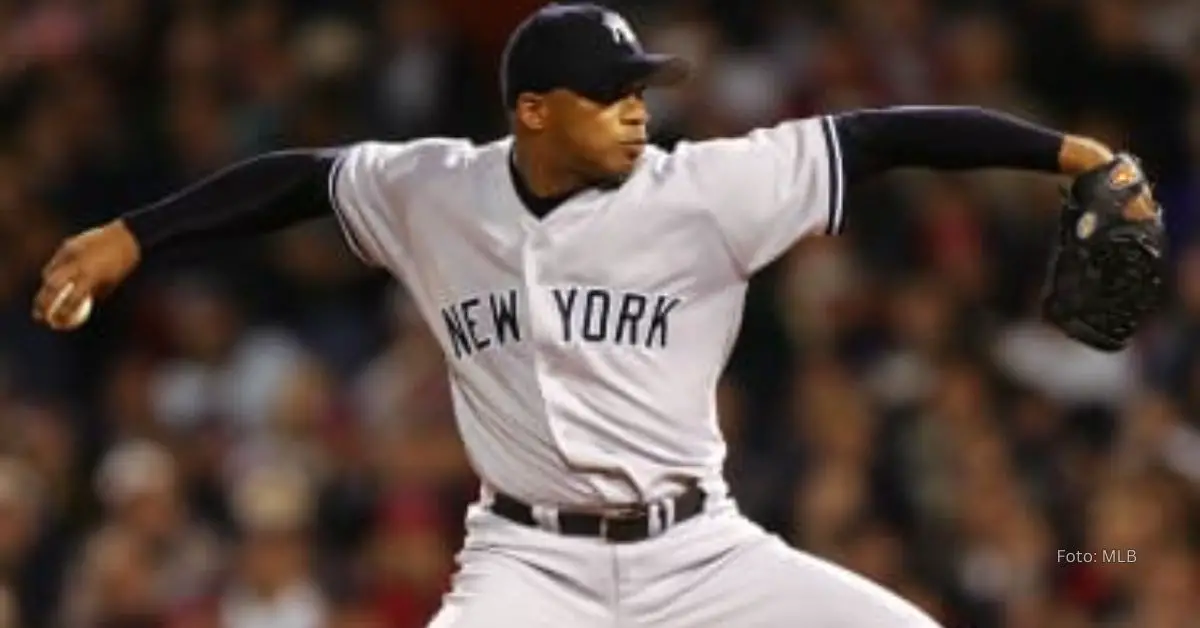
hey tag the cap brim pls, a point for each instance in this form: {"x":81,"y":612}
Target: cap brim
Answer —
{"x":638,"y":70}
{"x":658,"y":70}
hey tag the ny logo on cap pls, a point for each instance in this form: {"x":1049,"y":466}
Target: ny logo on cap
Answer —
{"x":621,"y":33}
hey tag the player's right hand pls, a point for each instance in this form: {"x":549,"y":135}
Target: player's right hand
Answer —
{"x":86,"y":266}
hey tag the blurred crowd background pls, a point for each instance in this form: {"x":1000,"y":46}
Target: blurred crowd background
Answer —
{"x":259,"y":434}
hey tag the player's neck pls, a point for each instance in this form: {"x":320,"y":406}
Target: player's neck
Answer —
{"x":540,"y":176}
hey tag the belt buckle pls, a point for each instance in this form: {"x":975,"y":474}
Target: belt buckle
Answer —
{"x":621,"y":515}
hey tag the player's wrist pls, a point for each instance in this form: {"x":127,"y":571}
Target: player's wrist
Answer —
{"x":127,"y":240}
{"x":1080,"y":154}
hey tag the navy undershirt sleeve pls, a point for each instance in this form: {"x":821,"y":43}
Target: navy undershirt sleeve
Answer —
{"x":253,"y":197}
{"x":873,"y":141}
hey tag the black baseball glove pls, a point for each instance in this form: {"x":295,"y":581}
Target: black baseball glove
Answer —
{"x":1106,"y":274}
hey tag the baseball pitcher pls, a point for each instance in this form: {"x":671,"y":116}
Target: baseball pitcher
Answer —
{"x":587,"y":287}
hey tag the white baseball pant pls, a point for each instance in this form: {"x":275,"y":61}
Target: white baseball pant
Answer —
{"x":715,"y":570}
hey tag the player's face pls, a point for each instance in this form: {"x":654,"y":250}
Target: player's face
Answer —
{"x":601,"y":141}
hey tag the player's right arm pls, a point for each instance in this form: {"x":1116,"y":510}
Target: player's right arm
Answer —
{"x":363,"y":184}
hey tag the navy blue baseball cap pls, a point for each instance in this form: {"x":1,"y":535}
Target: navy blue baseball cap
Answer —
{"x":584,"y":48}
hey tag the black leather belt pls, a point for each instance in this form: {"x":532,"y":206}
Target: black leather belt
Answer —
{"x":626,"y":526}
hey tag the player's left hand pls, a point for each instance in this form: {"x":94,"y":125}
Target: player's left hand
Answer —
{"x":1107,"y":273}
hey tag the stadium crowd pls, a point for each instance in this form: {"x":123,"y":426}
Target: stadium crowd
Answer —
{"x":261,"y":435}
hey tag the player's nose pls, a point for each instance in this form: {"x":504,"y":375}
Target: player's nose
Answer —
{"x":634,"y":111}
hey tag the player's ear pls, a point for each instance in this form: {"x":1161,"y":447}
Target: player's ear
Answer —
{"x":532,"y":111}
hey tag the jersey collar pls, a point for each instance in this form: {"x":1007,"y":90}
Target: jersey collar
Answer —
{"x":539,"y":206}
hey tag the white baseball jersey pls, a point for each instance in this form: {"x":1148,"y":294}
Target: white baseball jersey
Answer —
{"x":585,"y":347}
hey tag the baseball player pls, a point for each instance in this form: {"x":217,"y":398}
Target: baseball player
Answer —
{"x":586,"y":288}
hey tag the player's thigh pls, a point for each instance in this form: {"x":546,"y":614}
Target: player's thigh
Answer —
{"x":767,"y":584}
{"x":494,"y":590}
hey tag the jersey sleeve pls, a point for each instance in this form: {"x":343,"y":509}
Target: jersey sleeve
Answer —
{"x":770,"y":187}
{"x":371,"y":188}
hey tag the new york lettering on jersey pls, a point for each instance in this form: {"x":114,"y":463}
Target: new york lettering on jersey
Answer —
{"x":479,"y":322}
{"x":599,"y":315}
{"x":587,"y":315}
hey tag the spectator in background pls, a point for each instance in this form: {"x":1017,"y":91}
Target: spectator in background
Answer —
{"x":128,"y":404}
{"x":273,"y":581}
{"x":405,"y":381}
{"x":139,"y":485}
{"x":408,"y":560}
{"x":114,"y":586}
{"x":819,"y":295}
{"x":1171,"y":357}
{"x":977,"y":65}
{"x":831,"y":499}
{"x":262,"y":75}
{"x":428,"y":83}
{"x":898,"y":39}
{"x":41,"y":436}
{"x":222,"y":370}
{"x":297,"y":419}
{"x":921,"y":316}
{"x":1152,"y":103}
{"x":19,"y":510}
{"x":30,"y":562}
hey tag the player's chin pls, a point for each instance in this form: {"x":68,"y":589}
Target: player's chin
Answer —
{"x":624,"y":159}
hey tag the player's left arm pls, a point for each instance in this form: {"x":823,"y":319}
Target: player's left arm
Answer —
{"x":873,"y":141}
{"x":1107,"y":270}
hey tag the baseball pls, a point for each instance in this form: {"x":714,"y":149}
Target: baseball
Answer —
{"x":70,"y":320}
